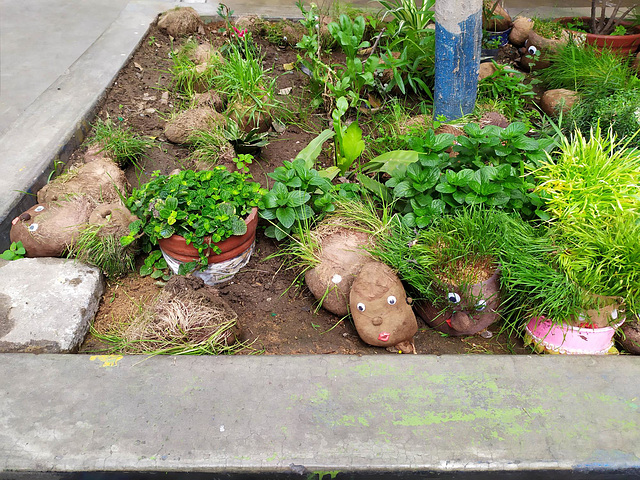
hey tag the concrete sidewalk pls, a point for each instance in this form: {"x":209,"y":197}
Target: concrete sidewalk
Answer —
{"x":402,"y":416}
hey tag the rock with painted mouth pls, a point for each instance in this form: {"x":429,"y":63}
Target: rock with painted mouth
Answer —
{"x":381,"y":310}
{"x":464,"y":309}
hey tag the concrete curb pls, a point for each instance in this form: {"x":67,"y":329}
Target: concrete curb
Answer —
{"x":276,"y":415}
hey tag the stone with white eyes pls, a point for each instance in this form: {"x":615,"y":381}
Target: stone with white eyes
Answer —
{"x":464,"y":309}
{"x":380,"y":309}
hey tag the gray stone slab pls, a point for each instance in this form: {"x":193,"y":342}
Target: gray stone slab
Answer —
{"x":263,"y":414}
{"x":47,"y":304}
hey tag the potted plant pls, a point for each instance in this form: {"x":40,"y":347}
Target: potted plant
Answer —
{"x":583,"y":271}
{"x":197,"y":217}
{"x":603,"y":30}
{"x":496,"y":25}
{"x":452,"y":269}
{"x":559,"y":315}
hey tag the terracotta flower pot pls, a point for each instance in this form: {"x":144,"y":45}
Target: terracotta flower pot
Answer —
{"x":623,"y":44}
{"x":176,"y":246}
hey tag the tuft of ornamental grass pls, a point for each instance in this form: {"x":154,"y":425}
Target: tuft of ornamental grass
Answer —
{"x":174,"y":327}
{"x":103,"y":251}
{"x":593,"y":73}
{"x":592,"y":195}
{"x":119,"y":141}
{"x":187,"y":77}
{"x":457,"y":248}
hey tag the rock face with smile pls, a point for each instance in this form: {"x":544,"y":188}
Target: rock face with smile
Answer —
{"x":380,"y":310}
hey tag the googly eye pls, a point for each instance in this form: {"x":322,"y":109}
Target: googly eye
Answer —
{"x":532,"y":50}
{"x":361,"y":307}
{"x":33,"y":227}
{"x":481,"y":305}
{"x":391,"y":300}
{"x":336,"y":279}
{"x":453,"y":297}
{"x":39,"y":208}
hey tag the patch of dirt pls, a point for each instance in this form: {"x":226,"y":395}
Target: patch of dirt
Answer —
{"x":276,"y":311}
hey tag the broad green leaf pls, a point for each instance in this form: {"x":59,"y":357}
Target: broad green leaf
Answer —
{"x":238,"y":226}
{"x":297,"y":198}
{"x":445,"y":188}
{"x":461,"y":178}
{"x":473,"y":198}
{"x":497,"y":199}
{"x":329,"y":173}
{"x":393,"y":163}
{"x":353,"y":145}
{"x":375,"y":187}
{"x":146,"y":270}
{"x":403,"y":190}
{"x":286,"y":216}
{"x":472,"y":129}
{"x":310,"y":153}
{"x":514,"y":129}
{"x":459,"y":196}
{"x":525,"y":143}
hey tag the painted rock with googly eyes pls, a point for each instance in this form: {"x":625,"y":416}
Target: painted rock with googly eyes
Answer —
{"x":380,"y":309}
{"x":48,"y":229}
{"x":464,"y":309}
{"x":340,"y":257}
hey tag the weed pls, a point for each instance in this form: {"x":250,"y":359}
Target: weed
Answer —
{"x":95,"y":247}
{"x":14,"y":252}
{"x":120,"y":142}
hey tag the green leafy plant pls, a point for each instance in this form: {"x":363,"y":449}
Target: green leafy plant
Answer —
{"x":204,"y":207}
{"x":409,"y":15}
{"x":355,"y":74}
{"x":119,"y":141}
{"x":297,"y":195}
{"x":242,"y":163}
{"x":490,"y":168}
{"x":349,"y":142}
{"x":507,"y":88}
{"x":155,"y":266}
{"x":14,"y":252}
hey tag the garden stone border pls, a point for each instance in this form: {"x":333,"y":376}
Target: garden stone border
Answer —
{"x":376,"y":416}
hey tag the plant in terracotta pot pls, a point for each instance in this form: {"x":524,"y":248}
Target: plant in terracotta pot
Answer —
{"x":604,"y":29}
{"x":212,"y":214}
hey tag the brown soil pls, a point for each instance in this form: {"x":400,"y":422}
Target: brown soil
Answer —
{"x":275,"y":309}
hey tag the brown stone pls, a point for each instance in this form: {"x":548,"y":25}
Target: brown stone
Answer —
{"x":560,"y":98}
{"x":520,"y":31}
{"x":341,"y":257}
{"x":101,"y":180}
{"x":47,"y":230}
{"x":180,"y":21}
{"x":181,"y":127}
{"x":486,"y":69}
{"x":380,"y":308}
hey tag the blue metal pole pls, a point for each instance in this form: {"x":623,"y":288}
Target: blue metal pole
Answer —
{"x":458,"y":38}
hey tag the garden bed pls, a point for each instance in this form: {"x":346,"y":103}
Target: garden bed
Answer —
{"x":277,"y":314}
